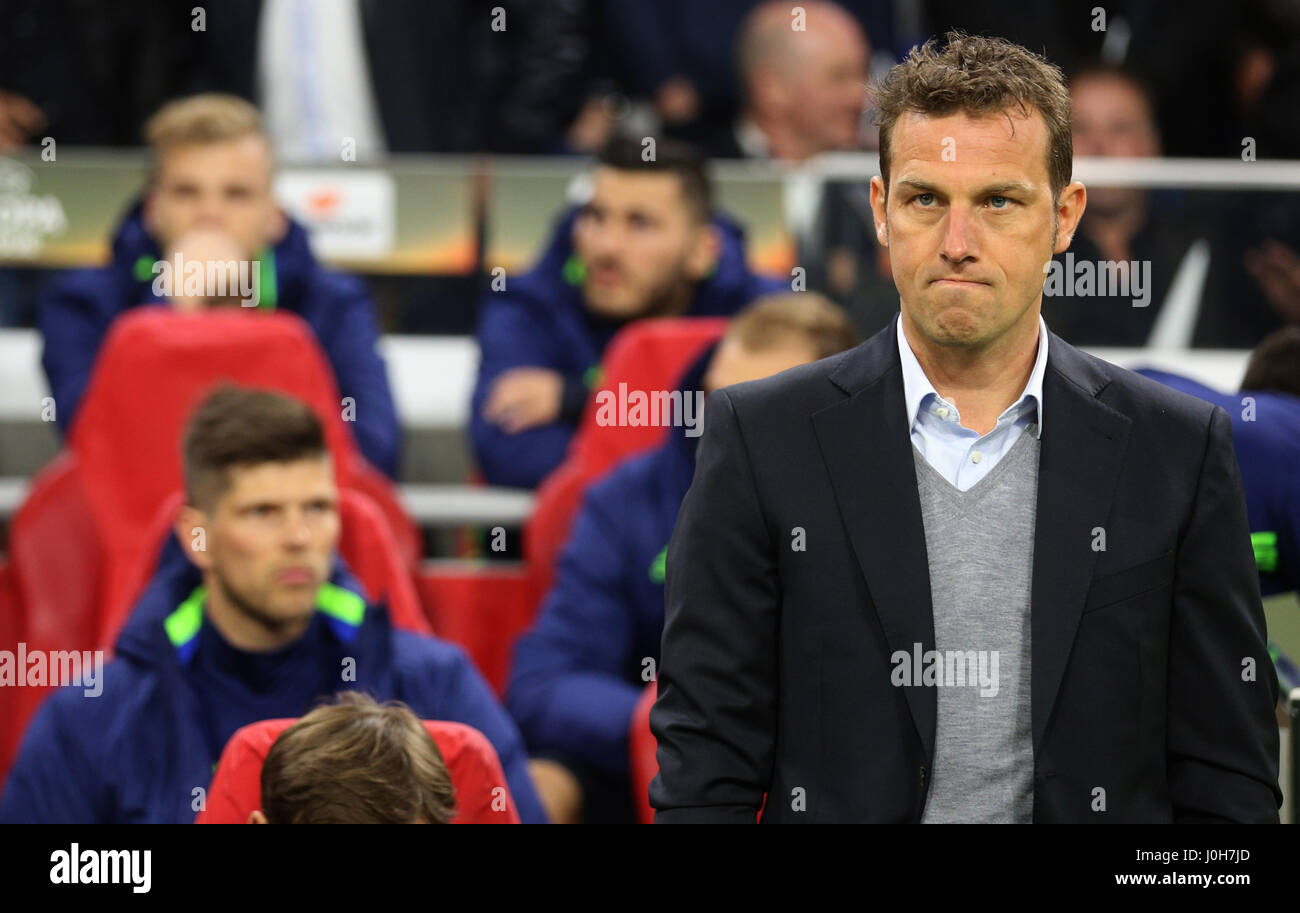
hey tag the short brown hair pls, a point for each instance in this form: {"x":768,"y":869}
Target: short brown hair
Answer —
{"x":357,"y":762}
{"x":680,"y":159}
{"x":207,"y":118}
{"x":1275,"y":363}
{"x":978,"y":76}
{"x":772,"y":319}
{"x":239,"y":426}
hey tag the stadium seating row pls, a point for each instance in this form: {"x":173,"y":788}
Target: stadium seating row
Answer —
{"x":85,"y":540}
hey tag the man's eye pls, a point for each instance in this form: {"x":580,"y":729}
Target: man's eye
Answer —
{"x":995,"y":198}
{"x":925,"y":199}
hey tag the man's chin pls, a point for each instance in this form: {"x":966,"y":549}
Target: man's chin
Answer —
{"x":614,"y":308}
{"x":288,"y":614}
{"x":956,"y":325}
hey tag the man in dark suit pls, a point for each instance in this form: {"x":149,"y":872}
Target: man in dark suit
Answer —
{"x":895,"y":592}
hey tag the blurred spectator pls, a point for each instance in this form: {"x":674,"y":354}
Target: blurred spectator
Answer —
{"x":402,"y":75}
{"x":356,"y":762}
{"x":803,"y":91}
{"x":580,"y":670}
{"x":1146,"y":234}
{"x":683,"y":60}
{"x":1266,"y":438}
{"x":647,"y":244}
{"x":1182,"y":49}
{"x":90,"y":73}
{"x":1266,"y":79}
{"x":209,"y":195}
{"x":259,"y":619}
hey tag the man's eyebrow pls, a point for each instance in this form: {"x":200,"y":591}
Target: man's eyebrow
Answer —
{"x":990,"y":190}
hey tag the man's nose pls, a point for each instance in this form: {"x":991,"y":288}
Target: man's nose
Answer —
{"x":211,"y":213}
{"x":297,"y":533}
{"x":957,"y":240}
{"x":606,"y":241}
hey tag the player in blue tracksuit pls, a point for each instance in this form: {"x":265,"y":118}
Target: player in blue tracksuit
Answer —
{"x":1266,"y":438}
{"x":579,"y":671}
{"x":211,"y":190}
{"x":256,"y":619}
{"x":647,"y":244}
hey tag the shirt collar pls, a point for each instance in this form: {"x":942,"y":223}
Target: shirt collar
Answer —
{"x":917,"y":386}
{"x":344,"y":612}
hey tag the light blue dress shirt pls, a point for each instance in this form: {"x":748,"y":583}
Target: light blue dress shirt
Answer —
{"x":959,"y":454}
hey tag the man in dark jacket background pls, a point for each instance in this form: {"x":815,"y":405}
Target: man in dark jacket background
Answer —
{"x":209,"y":197}
{"x":647,"y":244}
{"x":1266,"y":439}
{"x":251,"y":615}
{"x":581,"y":668}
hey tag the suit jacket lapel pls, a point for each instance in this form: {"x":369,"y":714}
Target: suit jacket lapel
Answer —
{"x":1082,"y":448}
{"x":866,"y":444}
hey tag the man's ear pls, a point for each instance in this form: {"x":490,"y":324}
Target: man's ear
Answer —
{"x":192,"y":533}
{"x":1069,"y":210}
{"x":277,"y":225}
{"x":878,"y":210}
{"x":706,"y":252}
{"x":256,"y":817}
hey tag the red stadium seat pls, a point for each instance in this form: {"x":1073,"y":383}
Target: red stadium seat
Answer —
{"x":481,"y":606}
{"x":647,"y":355}
{"x":53,"y":588}
{"x":80,"y":543}
{"x":642,"y":748}
{"x":379,"y":489}
{"x":152,"y":370}
{"x":56,"y":556}
{"x":481,"y":790}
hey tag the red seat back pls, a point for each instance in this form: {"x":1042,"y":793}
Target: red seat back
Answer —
{"x":53,"y":589}
{"x":642,"y":749}
{"x":56,"y":551}
{"x":152,"y":370}
{"x":370,"y":549}
{"x":481,"y":606}
{"x":647,"y":355}
{"x":482,"y":796}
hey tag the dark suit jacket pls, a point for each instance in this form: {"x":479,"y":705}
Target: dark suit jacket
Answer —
{"x":775,"y":671}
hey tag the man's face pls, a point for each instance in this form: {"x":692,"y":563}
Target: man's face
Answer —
{"x":224,"y":186}
{"x":640,"y":242}
{"x":1110,"y":118}
{"x":271,"y":537}
{"x":825,"y":92}
{"x":969,"y":223}
{"x":734,"y":363}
